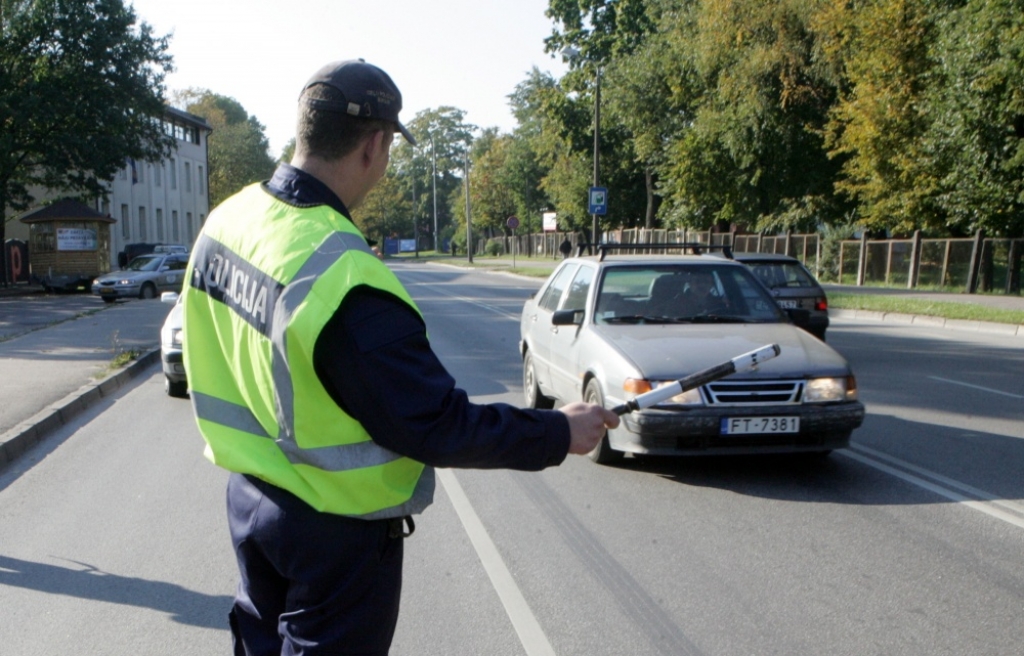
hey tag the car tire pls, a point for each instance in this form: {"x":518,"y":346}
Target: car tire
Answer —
{"x":108,"y":299}
{"x":178,"y":390}
{"x":148,"y":291}
{"x":531,"y":390}
{"x":603,"y":453}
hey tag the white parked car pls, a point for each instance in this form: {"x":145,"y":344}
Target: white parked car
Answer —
{"x":175,"y":383}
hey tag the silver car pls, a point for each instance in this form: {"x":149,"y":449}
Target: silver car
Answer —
{"x":146,"y":276}
{"x":608,"y":328}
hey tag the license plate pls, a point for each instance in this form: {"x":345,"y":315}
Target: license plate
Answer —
{"x":759,"y":425}
{"x":106,"y":291}
{"x":788,"y":305}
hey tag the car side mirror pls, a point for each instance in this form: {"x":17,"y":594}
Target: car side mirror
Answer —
{"x":567,"y":318}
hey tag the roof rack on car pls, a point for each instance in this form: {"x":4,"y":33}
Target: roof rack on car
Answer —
{"x":694,"y":247}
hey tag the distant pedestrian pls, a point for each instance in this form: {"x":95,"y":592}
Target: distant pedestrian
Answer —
{"x":565,"y":248}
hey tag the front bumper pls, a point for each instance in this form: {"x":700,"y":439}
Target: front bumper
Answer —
{"x":698,"y":430}
{"x":173,"y":365}
{"x":116,"y":291}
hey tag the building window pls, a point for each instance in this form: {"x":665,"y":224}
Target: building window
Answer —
{"x":175,"y":233}
{"x":159,"y":225}
{"x":174,"y":173}
{"x":142,"y":223}
{"x":140,"y":168}
{"x":158,"y":175}
{"x":123,"y":173}
{"x":126,"y":223}
{"x":188,"y":226}
{"x":188,"y":177}
{"x":200,"y":180}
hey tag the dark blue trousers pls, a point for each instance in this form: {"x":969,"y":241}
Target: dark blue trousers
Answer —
{"x":312,"y":583}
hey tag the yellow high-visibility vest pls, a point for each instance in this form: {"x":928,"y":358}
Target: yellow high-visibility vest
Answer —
{"x":263,"y":280}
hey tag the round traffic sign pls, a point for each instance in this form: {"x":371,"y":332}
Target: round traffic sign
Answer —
{"x":513,"y":222}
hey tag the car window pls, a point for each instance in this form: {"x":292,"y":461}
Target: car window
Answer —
{"x":145,"y":263}
{"x":682,"y":292}
{"x":549,"y":300}
{"x":576,"y":299}
{"x":782,"y":274}
{"x":177,"y":264}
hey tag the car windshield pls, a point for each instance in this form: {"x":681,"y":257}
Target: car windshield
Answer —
{"x":776,"y":275}
{"x":683,"y":293}
{"x":145,"y":263}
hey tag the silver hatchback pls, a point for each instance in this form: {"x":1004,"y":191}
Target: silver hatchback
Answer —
{"x":608,"y":328}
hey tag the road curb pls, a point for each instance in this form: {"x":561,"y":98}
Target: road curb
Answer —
{"x":16,"y":441}
{"x":990,"y":327}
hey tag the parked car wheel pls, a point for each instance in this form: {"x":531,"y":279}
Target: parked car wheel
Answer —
{"x":108,"y":299}
{"x":534,"y":398}
{"x":175,"y":389}
{"x":148,"y":291}
{"x":603,"y":453}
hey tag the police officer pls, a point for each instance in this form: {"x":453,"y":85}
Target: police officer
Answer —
{"x":313,"y":381}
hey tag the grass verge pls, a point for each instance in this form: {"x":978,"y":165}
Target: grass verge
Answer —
{"x":948,"y":310}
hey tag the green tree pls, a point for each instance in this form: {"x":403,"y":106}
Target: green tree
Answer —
{"x":879,"y":52}
{"x":386,"y":211}
{"x":974,"y":141}
{"x":287,"y":152}
{"x":443,"y":138}
{"x":81,"y":91}
{"x":239,"y":152}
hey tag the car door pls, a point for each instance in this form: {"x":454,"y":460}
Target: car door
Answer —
{"x":565,"y":340}
{"x":172,"y":272}
{"x":539,"y":326}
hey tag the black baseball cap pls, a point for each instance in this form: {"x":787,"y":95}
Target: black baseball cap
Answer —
{"x":367,"y":92}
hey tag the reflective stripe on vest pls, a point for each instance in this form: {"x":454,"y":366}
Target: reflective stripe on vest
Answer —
{"x":268,"y":306}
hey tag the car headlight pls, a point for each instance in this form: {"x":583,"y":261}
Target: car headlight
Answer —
{"x":830,"y":390}
{"x":639,"y":386}
{"x":125,"y":281}
{"x":176,"y":336}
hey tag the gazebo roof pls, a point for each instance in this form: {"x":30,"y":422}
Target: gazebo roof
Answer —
{"x":64,"y":210}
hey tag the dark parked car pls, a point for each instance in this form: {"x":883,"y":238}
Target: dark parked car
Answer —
{"x":608,"y":328}
{"x":792,"y":286}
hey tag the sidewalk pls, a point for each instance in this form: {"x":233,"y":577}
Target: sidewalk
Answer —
{"x":53,"y":373}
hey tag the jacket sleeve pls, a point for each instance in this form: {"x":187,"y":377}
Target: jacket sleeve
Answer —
{"x":375,"y":361}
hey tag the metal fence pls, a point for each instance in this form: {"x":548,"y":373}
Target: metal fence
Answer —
{"x":968,"y":264}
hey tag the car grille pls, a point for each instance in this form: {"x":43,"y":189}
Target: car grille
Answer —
{"x":754,"y":392}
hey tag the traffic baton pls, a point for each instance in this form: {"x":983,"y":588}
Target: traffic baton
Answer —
{"x":739,"y":363}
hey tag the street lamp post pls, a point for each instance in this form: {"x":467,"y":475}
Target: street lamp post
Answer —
{"x":433,"y":180}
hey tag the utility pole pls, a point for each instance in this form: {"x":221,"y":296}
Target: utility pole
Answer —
{"x":469,"y":223}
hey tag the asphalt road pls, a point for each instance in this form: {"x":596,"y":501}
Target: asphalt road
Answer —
{"x":113,"y":538}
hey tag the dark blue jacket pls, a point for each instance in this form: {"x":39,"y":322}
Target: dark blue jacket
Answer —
{"x":374,"y":359}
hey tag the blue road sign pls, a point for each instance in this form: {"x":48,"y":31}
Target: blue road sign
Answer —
{"x":599,"y":200}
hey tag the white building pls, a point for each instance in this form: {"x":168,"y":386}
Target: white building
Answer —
{"x":162,"y":202}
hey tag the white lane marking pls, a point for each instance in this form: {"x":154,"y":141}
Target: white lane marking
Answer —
{"x":523,"y":620}
{"x":988,"y":506}
{"x":977,"y":387}
{"x":466,"y":299}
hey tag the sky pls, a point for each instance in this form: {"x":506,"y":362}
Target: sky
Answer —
{"x":468,"y":54}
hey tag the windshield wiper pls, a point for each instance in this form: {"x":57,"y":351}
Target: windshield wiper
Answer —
{"x":719,"y":318}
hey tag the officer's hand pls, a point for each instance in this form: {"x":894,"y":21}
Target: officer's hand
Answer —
{"x":587,"y":424}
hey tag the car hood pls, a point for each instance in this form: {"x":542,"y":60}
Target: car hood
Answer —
{"x":668,"y":352}
{"x":115,"y":276}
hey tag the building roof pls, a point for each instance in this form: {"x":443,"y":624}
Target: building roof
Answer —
{"x":63,"y":210}
{"x":182,"y":115}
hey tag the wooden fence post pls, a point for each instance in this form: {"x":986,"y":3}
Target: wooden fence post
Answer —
{"x":915,"y":261}
{"x":972,"y":275}
{"x":1013,"y":267}
{"x":862,"y":260}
